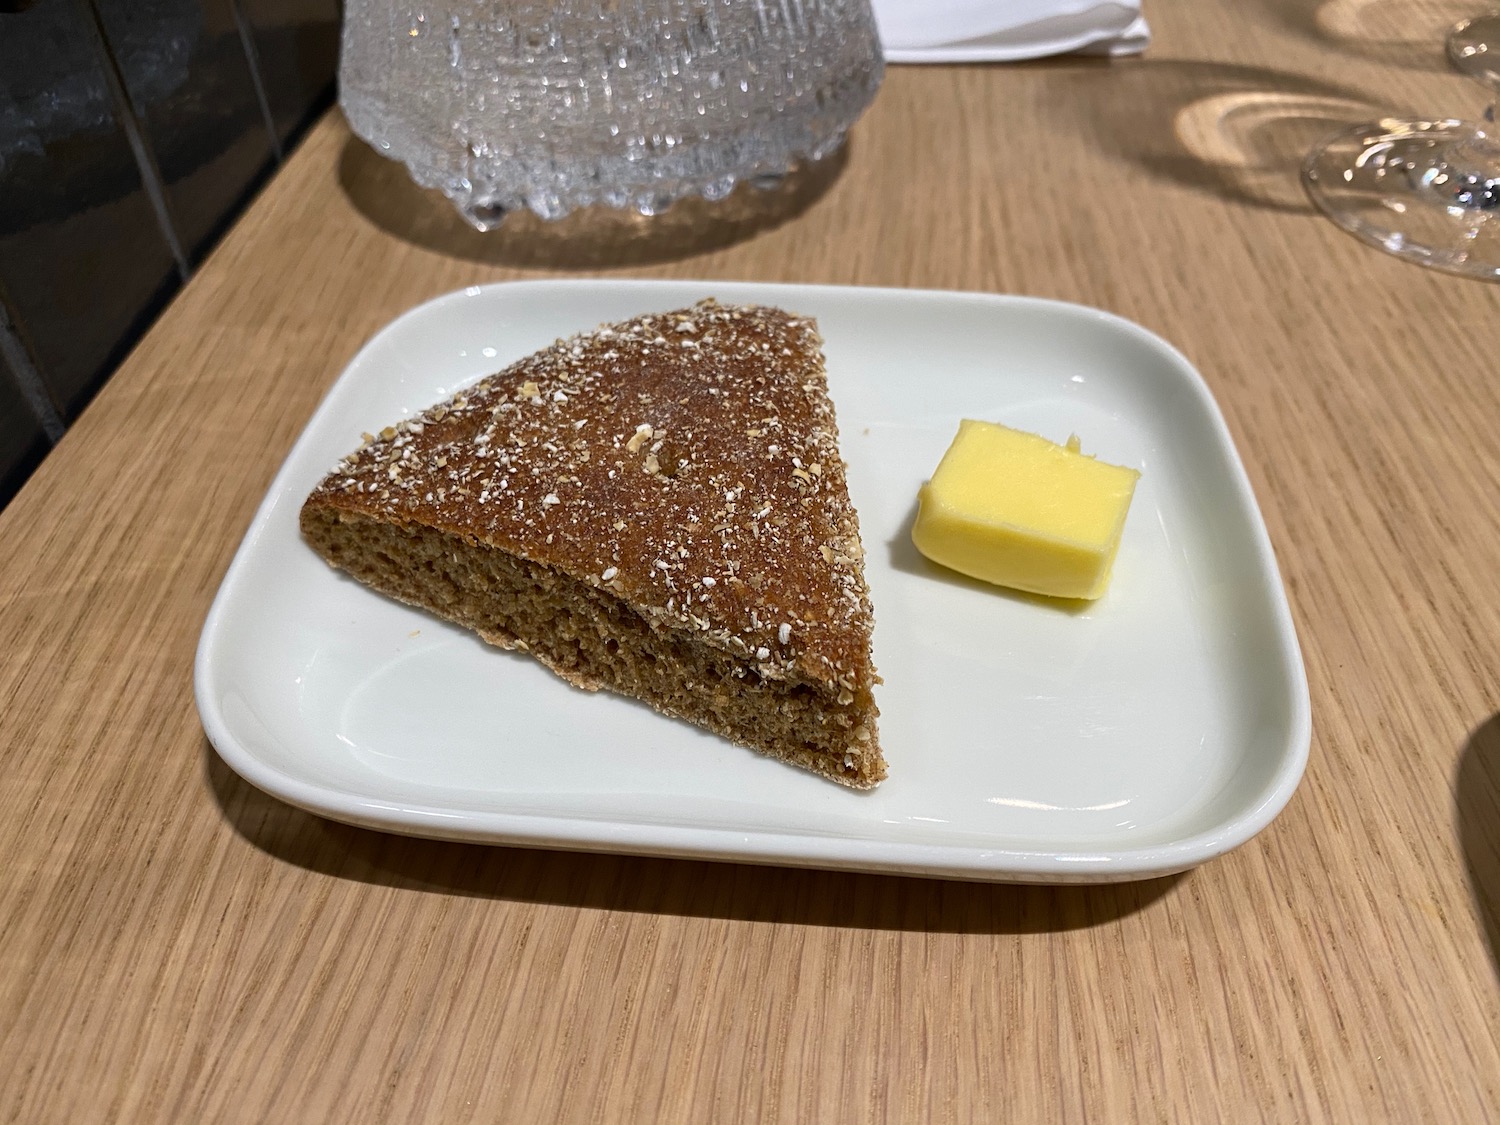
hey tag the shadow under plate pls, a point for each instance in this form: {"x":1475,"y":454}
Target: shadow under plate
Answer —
{"x":684,"y":888}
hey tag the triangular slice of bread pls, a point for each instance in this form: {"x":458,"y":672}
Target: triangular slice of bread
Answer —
{"x":657,"y":507}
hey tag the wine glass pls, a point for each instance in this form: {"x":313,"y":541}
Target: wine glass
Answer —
{"x":1424,"y":190}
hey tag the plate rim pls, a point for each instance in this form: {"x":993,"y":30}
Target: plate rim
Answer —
{"x":781,"y":847}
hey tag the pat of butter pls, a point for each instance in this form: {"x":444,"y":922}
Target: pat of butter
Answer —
{"x":1018,"y":510}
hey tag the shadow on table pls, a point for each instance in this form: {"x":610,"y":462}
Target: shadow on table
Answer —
{"x":592,"y":238}
{"x":690,"y":888}
{"x":1476,"y":790}
{"x":1237,"y":132}
{"x":1396,"y":32}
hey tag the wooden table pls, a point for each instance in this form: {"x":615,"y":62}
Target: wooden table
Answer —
{"x":176,"y":946}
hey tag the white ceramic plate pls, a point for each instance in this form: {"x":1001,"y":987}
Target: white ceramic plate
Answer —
{"x":980,"y":31}
{"x":1163,"y":725}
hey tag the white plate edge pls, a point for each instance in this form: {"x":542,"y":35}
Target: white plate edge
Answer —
{"x":944,"y":860}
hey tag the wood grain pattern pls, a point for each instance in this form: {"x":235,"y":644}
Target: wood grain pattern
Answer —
{"x":176,"y":946}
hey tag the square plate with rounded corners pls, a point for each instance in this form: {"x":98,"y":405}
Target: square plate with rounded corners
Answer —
{"x":1027,"y":741}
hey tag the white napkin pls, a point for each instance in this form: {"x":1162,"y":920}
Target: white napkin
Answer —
{"x":938,"y":31}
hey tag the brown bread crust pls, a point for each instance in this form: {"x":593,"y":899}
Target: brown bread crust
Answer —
{"x":666,"y":491}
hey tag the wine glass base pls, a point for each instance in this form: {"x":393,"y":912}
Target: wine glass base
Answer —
{"x":1474,"y":49}
{"x":1404,"y":187}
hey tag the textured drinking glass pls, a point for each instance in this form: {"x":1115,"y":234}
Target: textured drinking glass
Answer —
{"x":558,"y":104}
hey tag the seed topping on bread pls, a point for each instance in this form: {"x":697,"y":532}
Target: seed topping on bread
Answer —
{"x":651,"y":506}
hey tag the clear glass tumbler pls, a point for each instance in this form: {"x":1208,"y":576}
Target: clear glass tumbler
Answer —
{"x":558,"y":104}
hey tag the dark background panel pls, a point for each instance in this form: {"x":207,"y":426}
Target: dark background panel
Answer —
{"x":83,"y":258}
{"x":23,"y":440}
{"x":132,"y":133}
{"x":190,"y":86}
{"x":296,"y":46}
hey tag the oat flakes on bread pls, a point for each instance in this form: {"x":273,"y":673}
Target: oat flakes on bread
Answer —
{"x":657,"y":507}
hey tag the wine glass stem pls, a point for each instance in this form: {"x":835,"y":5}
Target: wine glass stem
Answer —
{"x":1468,"y":173}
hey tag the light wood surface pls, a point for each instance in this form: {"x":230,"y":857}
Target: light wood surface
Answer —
{"x":176,"y":946}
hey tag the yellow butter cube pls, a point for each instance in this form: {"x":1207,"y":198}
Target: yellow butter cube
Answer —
{"x":1018,"y":510}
